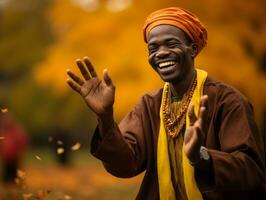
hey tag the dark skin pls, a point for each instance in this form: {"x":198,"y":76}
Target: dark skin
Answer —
{"x":166,"y":43}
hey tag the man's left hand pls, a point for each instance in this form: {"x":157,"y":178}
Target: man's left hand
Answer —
{"x":194,"y":134}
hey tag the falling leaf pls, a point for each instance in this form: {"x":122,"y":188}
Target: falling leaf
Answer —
{"x":67,"y":197}
{"x":50,"y":138}
{"x":75,"y":147}
{"x":41,"y":194}
{"x":38,"y":157}
{"x":27,"y":196}
{"x":59,"y":142}
{"x":60,"y":150}
{"x":4,"y":110}
{"x":1,"y":138}
{"x":21,"y":174}
{"x":17,"y":181}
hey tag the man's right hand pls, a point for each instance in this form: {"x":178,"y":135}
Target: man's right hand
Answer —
{"x":98,"y":94}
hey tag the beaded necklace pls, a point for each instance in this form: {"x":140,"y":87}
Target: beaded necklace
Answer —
{"x":173,"y":125}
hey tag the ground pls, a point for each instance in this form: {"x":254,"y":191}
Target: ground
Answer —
{"x":83,"y":179}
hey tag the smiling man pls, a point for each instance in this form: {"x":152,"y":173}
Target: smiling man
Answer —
{"x":195,"y":138}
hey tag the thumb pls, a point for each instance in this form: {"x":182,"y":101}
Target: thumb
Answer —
{"x":106,"y":78}
{"x":191,"y":114}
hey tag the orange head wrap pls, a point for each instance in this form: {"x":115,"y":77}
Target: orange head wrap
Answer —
{"x":180,"y":18}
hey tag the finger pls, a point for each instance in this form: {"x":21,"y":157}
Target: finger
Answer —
{"x":202,"y":113}
{"x":201,"y":123}
{"x":200,"y":120}
{"x":192,"y":138}
{"x":203,"y":104}
{"x":198,"y":130}
{"x":204,"y":101}
{"x":82,"y":69}
{"x":75,"y":77}
{"x":188,"y":134}
{"x":195,"y":138}
{"x":191,"y":114}
{"x":73,"y":86}
{"x":90,"y":67}
{"x":106,"y":78}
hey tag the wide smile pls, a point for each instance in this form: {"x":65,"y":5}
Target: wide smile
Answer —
{"x":166,"y":64}
{"x":167,"y":67}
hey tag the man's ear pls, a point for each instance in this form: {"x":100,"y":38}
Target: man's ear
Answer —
{"x":194,"y":50}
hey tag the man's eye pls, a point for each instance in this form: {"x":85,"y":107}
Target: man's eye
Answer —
{"x":173,"y":44}
{"x":152,"y":49}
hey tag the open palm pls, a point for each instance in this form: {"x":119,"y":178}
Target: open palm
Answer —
{"x":98,"y":94}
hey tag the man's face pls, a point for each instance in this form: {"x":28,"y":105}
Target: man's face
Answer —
{"x":170,"y":52}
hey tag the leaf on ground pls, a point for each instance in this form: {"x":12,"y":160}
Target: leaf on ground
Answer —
{"x":27,"y":196}
{"x":21,"y":174}
{"x":4,"y":110}
{"x":42,"y":194}
{"x":17,"y":181}
{"x":67,"y":197}
{"x":75,"y":147}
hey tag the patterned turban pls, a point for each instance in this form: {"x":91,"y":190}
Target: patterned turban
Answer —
{"x":180,"y":18}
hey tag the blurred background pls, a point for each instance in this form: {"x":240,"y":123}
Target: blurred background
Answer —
{"x":45,"y":128}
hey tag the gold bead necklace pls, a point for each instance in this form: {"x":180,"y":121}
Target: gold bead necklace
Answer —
{"x":174,"y":125}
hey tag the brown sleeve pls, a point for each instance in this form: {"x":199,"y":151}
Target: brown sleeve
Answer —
{"x":122,"y":148}
{"x":239,"y":164}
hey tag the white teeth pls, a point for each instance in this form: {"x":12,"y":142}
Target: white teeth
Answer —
{"x":166,"y":64}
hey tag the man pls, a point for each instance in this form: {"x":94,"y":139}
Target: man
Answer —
{"x":196,"y":137}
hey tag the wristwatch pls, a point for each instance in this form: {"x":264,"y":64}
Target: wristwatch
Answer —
{"x":204,"y":156}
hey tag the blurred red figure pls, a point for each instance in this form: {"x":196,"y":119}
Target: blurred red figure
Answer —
{"x":12,"y":146}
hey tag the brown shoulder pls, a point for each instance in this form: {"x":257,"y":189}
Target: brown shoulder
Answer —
{"x":222,"y":90}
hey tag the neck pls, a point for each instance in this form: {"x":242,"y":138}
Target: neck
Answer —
{"x":178,"y":89}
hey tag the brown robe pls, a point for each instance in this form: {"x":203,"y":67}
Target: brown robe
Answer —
{"x":234,"y":144}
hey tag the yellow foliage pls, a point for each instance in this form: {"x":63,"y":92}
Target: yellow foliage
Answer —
{"x":114,"y":41}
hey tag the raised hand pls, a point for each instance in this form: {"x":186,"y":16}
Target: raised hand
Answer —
{"x":98,"y":94}
{"x":194,"y":134}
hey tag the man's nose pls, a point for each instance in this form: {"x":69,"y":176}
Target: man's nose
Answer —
{"x":162,"y":52}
